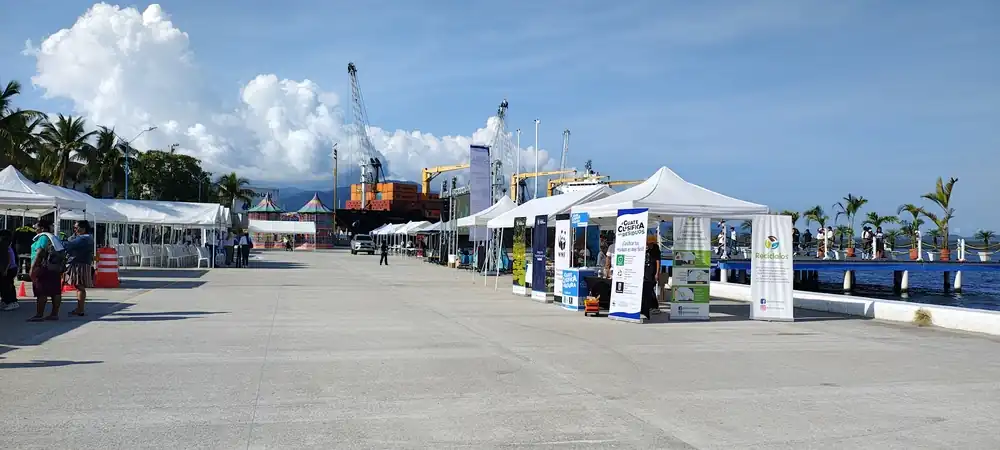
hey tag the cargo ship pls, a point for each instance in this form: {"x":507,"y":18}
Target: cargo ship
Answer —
{"x":388,"y":202}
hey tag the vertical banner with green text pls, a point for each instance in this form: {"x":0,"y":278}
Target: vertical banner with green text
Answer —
{"x":692,"y":269}
{"x":519,"y":262}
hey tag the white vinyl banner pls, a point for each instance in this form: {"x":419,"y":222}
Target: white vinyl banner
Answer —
{"x":628,"y":264}
{"x":771,"y":272}
{"x":692,"y":269}
{"x":563,"y":250}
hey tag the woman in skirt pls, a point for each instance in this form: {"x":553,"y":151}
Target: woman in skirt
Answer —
{"x":80,"y":258}
{"x":45,"y":282}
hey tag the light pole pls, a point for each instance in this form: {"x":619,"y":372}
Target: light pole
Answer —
{"x":517,"y":154}
{"x":128,"y":145}
{"x":536,"y":159}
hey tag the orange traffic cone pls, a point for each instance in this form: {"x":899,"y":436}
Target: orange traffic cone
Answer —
{"x":22,"y":292}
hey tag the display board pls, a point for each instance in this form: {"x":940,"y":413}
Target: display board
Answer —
{"x":629,"y":264}
{"x":562,"y":251}
{"x":480,"y":187}
{"x":692,"y":269}
{"x":519,"y":262}
{"x":539,"y":246}
{"x":771,"y":271}
{"x":574,"y":288}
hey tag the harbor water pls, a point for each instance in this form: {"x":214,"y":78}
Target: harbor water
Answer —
{"x":980,"y":290}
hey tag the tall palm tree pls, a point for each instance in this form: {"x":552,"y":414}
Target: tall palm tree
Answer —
{"x":891,"y":237}
{"x":232,"y":188}
{"x":935,"y":234}
{"x":64,"y":140}
{"x":849,"y":207}
{"x":942,"y":198}
{"x":16,"y":127}
{"x":910,"y":230}
{"x":793,"y":214}
{"x":842,"y":232}
{"x":106,"y":164}
{"x":875,"y":220}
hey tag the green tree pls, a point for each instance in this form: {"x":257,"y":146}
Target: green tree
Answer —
{"x":815,"y":214}
{"x":793,"y":214}
{"x":17,"y":128}
{"x":985,"y":236}
{"x":892,"y":236}
{"x":910,"y":230}
{"x":64,"y":140}
{"x":162,"y":175}
{"x":106,"y":164}
{"x":232,"y":188}
{"x":941,"y":196}
{"x":875,"y":220}
{"x":849,"y":207}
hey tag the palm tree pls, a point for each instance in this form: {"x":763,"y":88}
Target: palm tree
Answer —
{"x":64,"y":140}
{"x":891,"y":236}
{"x":877,"y":221}
{"x":16,"y":127}
{"x":106,"y":165}
{"x":849,"y":207}
{"x":911,"y":230}
{"x":793,"y":214}
{"x":934,"y":234}
{"x":815,"y":214}
{"x":985,"y":236}
{"x":842,"y":232}
{"x":232,"y":188}
{"x":942,"y":198}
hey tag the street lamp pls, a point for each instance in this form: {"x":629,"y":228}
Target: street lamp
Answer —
{"x":128,"y":144}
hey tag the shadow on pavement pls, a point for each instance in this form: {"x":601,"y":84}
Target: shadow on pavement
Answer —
{"x":159,"y":284}
{"x":741,"y":312}
{"x":16,"y":331}
{"x":170,"y":313}
{"x":43,"y":363}
{"x":276,"y":265}
{"x":160,"y":272}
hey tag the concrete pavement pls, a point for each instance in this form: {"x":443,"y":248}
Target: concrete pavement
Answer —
{"x":328,"y":350}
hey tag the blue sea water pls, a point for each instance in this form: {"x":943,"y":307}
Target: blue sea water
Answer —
{"x":980,"y":290}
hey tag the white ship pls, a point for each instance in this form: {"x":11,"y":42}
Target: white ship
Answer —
{"x":583,"y":182}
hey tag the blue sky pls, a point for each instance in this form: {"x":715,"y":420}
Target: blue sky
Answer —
{"x":787,"y":103}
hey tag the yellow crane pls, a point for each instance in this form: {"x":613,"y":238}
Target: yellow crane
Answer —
{"x":559,"y":181}
{"x":517,"y":178}
{"x":429,"y":173}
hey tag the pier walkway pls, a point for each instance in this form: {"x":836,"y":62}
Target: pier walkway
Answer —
{"x":327,"y":350}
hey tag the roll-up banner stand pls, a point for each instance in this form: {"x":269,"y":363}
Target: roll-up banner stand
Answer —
{"x":771,"y":272}
{"x":519,"y":263}
{"x":563,"y":251}
{"x":539,"y":246}
{"x":628,"y":264}
{"x":692,"y":269}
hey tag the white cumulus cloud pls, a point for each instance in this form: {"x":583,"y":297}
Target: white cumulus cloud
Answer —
{"x":132,"y":70}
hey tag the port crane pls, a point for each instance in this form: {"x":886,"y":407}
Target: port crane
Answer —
{"x":565,"y":150}
{"x":371,"y":165}
{"x":429,"y":173}
{"x":517,"y":182}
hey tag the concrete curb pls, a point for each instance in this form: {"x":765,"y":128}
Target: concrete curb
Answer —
{"x":950,"y":317}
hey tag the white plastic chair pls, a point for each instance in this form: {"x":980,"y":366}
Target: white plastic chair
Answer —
{"x":202,"y":256}
{"x":171,"y":257}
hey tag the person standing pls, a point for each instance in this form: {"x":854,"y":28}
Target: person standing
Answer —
{"x":245,"y":244}
{"x":80,"y":258}
{"x":228,"y":247}
{"x":46,"y":271}
{"x":8,"y":294}
{"x":384,"y":254}
{"x":650,"y":278}
{"x":733,"y":239}
{"x":879,"y":243}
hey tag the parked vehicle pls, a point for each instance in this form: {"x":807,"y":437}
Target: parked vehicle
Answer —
{"x":362,"y":243}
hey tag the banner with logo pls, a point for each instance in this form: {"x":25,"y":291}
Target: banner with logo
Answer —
{"x":539,"y":245}
{"x":692,"y":269}
{"x":480,"y":186}
{"x":519,"y":262}
{"x":628,"y":264}
{"x":563,"y":253}
{"x":771,"y":272}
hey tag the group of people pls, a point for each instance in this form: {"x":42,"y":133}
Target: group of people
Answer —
{"x":236,"y":247}
{"x":53,"y":262}
{"x":872,"y":241}
{"x":726,"y":242}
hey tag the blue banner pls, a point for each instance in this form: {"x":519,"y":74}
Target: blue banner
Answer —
{"x":539,"y":245}
{"x":480,"y":186}
{"x":579,"y":220}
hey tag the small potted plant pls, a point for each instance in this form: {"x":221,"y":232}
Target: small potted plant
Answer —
{"x":985,"y":236}
{"x":942,"y":198}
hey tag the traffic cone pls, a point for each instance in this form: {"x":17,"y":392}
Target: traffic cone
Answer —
{"x":22,"y":292}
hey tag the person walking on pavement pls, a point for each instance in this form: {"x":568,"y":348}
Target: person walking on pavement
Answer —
{"x":80,"y":258}
{"x":9,"y":271}
{"x":245,"y":245}
{"x":384,"y":252}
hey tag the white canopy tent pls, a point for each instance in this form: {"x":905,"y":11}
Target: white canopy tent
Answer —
{"x":379,"y":229}
{"x":15,"y":184}
{"x":151,"y":212}
{"x":482,"y":217}
{"x":414,"y":227}
{"x":432,"y":228}
{"x":667,"y":195}
{"x":282,"y":227}
{"x":97,"y":210}
{"x":551,"y":206}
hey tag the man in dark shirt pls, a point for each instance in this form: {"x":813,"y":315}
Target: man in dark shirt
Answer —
{"x":384,"y":251}
{"x":650,"y":276}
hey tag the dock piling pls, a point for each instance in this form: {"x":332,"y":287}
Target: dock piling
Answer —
{"x":958,"y":281}
{"x":947,"y":281}
{"x":848,"y":281}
